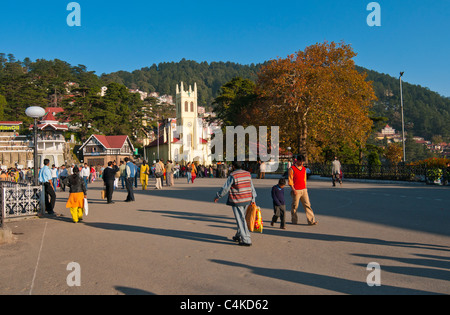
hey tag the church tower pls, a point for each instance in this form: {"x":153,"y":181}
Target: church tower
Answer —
{"x":187,"y":114}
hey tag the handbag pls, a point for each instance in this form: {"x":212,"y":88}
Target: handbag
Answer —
{"x":86,"y":207}
{"x":103,"y":194}
{"x":250,"y":216}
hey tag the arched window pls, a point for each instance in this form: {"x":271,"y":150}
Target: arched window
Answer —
{"x":192,"y":106}
{"x":186,"y":108}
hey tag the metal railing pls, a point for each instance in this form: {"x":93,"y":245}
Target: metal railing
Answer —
{"x":19,"y":200}
{"x":410,"y":173}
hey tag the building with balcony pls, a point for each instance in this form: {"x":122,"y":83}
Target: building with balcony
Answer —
{"x":51,"y":141}
{"x":99,"y":149}
{"x":15,"y":150}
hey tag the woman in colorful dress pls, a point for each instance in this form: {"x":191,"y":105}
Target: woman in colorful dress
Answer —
{"x":145,"y":171}
{"x":77,"y":194}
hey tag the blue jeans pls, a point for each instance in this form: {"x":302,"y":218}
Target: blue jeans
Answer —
{"x":189,"y":176}
{"x":86,"y":181}
{"x":55,"y":182}
{"x":242,"y":228}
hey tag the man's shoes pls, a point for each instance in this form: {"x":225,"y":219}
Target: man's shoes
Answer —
{"x":111,"y":202}
{"x":245,"y":244}
{"x":236,"y":239}
{"x":314,"y":223}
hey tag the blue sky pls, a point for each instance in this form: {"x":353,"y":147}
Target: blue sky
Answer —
{"x":127,"y":35}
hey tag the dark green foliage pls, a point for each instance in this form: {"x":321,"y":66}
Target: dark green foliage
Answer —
{"x":164,"y":77}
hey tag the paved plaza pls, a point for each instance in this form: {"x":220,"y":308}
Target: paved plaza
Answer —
{"x":176,"y":241}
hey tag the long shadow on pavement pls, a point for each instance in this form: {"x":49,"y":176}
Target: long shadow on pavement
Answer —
{"x":352,"y":239}
{"x":335,"y":284}
{"x":194,"y":236}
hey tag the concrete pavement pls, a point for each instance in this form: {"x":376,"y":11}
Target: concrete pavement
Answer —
{"x":177,"y":241}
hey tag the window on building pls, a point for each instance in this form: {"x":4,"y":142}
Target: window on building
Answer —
{"x":186,"y":108}
{"x":192,"y":106}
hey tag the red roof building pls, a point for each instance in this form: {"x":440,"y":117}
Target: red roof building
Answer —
{"x":100,"y":149}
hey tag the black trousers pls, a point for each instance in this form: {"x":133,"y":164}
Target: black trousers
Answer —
{"x":129,"y":185}
{"x":109,"y":186}
{"x":279,"y":212}
{"x":61,"y":183}
{"x":49,"y":194}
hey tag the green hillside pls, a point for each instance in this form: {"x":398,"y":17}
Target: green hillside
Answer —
{"x":426,"y":112}
{"x":23,"y":83}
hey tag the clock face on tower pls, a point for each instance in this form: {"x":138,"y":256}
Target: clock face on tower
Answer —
{"x":189,"y":124}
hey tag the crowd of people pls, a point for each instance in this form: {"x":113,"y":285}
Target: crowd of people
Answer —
{"x":238,"y":186}
{"x":127,"y":173}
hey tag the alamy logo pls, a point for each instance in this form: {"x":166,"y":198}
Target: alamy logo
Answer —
{"x":74,"y":277}
{"x":374,"y":18}
{"x":74,"y":17}
{"x":374,"y":277}
{"x":256,"y":148}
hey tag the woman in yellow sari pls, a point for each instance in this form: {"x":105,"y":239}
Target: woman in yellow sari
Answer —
{"x":145,"y":171}
{"x":77,"y":194}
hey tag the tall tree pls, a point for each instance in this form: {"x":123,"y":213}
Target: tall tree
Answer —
{"x":234,"y":97}
{"x":318,"y":99}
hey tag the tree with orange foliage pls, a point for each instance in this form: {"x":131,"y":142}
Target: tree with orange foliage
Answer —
{"x":318,"y":99}
{"x":394,"y":153}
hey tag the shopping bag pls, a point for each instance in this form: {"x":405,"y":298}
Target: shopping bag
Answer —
{"x":103,"y":194}
{"x":258,"y":221}
{"x":250,"y":216}
{"x":86,"y":207}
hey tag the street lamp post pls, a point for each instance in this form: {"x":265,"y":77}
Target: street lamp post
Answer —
{"x":35,"y":112}
{"x":403,"y":120}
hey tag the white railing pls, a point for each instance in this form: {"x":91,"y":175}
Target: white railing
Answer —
{"x":19,"y":200}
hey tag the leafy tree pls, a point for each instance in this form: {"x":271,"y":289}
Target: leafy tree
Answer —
{"x":317,"y":98}
{"x":394,"y":153}
{"x":234,"y":97}
{"x":3,"y":104}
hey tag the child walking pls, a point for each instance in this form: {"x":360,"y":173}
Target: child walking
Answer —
{"x":279,"y":206}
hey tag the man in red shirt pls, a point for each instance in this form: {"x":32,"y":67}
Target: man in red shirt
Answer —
{"x":297,"y":181}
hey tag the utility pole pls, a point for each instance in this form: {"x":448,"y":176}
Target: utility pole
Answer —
{"x":403,"y":119}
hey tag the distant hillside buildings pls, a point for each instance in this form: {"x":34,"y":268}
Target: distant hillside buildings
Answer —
{"x":393,"y":136}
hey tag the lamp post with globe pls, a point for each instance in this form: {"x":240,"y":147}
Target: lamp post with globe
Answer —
{"x":35,"y":112}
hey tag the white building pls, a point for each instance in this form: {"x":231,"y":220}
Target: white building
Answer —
{"x":185,"y":138}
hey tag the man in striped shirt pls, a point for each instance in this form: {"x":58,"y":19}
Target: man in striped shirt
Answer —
{"x":241,"y":193}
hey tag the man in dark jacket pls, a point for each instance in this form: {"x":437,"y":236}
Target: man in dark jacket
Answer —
{"x":109,"y":175}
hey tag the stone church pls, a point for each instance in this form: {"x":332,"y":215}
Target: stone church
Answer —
{"x":185,"y":138}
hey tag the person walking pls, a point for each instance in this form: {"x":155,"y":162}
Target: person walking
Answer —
{"x":193,"y":172}
{"x":78,"y":192}
{"x":169,"y":173}
{"x":144,"y":172}
{"x":241,"y":193}
{"x":262,"y":170}
{"x":45,"y":178}
{"x":136,"y":172}
{"x":122,"y":169}
{"x":109,"y":177}
{"x":130,"y":173}
{"x":299,"y":192}
{"x":279,"y":205}
{"x":63,"y":174}
{"x":85,"y":173}
{"x":159,"y":173}
{"x":336,"y":171}
{"x":188,"y":172}
{"x":54,"y":171}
